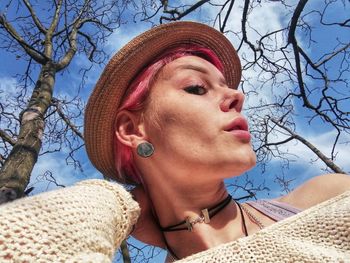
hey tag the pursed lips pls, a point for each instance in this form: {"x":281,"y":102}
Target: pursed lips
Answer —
{"x":237,"y":124}
{"x":239,"y":128}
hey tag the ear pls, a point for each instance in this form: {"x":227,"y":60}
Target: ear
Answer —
{"x":128,"y":129}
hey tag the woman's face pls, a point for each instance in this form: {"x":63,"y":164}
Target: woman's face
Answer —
{"x":194,"y":120}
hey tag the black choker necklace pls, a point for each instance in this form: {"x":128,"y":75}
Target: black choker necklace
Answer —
{"x":207,"y":214}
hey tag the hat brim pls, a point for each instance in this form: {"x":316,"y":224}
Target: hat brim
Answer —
{"x":110,"y":89}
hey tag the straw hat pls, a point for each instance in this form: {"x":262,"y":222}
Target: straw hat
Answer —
{"x":106,"y":98}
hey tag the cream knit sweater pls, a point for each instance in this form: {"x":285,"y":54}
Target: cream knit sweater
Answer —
{"x":88,"y":221}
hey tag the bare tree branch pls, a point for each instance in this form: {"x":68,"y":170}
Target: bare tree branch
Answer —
{"x":51,"y":30}
{"x":228,"y":13}
{"x":335,"y":53}
{"x":313,"y":148}
{"x":92,"y":44}
{"x":64,"y":62}
{"x":294,"y":21}
{"x":34,"y":54}
{"x":56,"y":103}
{"x":7,"y":138}
{"x":176,"y":15}
{"x":34,"y":17}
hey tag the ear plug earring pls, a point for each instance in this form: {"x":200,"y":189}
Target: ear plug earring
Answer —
{"x":145,"y":149}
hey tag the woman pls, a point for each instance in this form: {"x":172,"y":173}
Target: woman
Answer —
{"x":166,"y":115}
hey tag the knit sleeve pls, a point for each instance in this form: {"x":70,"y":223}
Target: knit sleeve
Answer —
{"x":318,"y":234}
{"x":82,"y":223}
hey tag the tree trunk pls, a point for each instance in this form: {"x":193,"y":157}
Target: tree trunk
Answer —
{"x":16,"y":171}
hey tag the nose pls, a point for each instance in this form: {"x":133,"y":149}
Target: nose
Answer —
{"x":233,"y":100}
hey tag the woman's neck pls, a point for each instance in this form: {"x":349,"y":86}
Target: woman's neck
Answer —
{"x":174,"y":202}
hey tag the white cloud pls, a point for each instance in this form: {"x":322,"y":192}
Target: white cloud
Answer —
{"x":8,"y":86}
{"x":124,"y":34}
{"x":64,"y":174}
{"x":13,"y":98}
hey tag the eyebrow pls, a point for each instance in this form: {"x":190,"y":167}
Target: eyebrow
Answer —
{"x":193,"y":67}
{"x":199,"y":69}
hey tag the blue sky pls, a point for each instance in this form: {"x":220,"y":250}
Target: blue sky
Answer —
{"x":270,"y":16}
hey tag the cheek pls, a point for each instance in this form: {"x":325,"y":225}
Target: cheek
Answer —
{"x":174,"y":111}
{"x":175,"y":128}
{"x":173,"y":121}
{"x":160,"y":114}
{"x":162,"y":117}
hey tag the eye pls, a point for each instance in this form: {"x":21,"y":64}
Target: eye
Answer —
{"x":196,"y":90}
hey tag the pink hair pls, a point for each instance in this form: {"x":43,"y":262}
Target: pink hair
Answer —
{"x":139,"y":91}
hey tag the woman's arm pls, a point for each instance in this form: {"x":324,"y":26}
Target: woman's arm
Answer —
{"x":82,"y":223}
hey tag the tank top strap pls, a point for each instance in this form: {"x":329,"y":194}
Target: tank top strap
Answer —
{"x":275,"y":210}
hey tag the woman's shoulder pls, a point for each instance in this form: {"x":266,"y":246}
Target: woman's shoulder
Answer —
{"x":316,"y":190}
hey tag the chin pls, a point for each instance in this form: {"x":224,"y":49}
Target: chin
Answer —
{"x":238,"y":167}
{"x":252,"y":160}
{"x":251,"y":163}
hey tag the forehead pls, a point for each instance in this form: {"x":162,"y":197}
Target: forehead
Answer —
{"x":191,"y":63}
